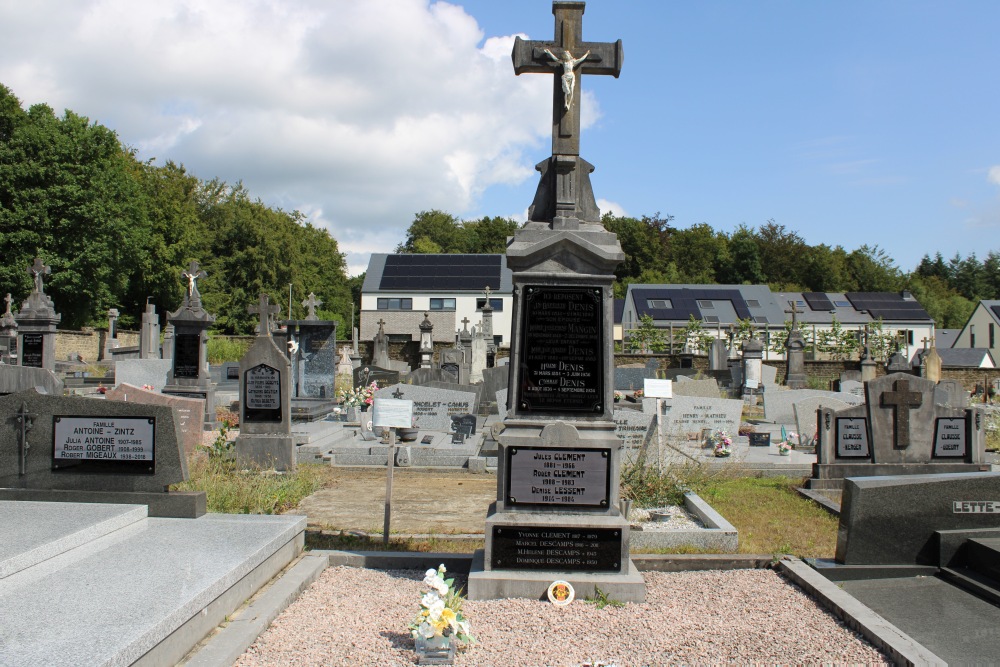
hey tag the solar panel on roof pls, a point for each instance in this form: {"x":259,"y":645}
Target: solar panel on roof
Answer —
{"x":817,"y":301}
{"x":441,"y":272}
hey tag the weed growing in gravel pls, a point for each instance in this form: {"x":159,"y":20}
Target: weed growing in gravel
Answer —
{"x":601,"y":599}
{"x":249,"y":490}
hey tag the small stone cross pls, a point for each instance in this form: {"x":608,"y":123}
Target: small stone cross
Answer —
{"x":465,"y":324}
{"x":312,"y":303}
{"x":794,"y":311}
{"x":37,"y":270}
{"x":901,"y":400}
{"x":264,"y":310}
{"x":381,"y":327}
{"x":193,"y":275}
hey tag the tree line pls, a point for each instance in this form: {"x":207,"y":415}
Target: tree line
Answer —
{"x":658,"y":252}
{"x":117,"y":231}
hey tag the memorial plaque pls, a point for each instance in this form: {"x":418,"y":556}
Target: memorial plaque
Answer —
{"x":103,"y":444}
{"x":187,"y":349}
{"x":31,"y":346}
{"x":562,"y":350}
{"x":949,"y":437}
{"x":852,"y":438}
{"x":262,"y":394}
{"x":558,"y":477}
{"x":556,"y":549}
{"x":365,"y":375}
{"x":233,"y":372}
{"x":464,"y":424}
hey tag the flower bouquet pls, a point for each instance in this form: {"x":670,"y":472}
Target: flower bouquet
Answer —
{"x":722,"y":443}
{"x":619,"y":396}
{"x":358,"y":397}
{"x":784,"y":448}
{"x":440,"y":620}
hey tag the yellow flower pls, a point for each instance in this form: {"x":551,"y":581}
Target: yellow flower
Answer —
{"x":448,"y":616}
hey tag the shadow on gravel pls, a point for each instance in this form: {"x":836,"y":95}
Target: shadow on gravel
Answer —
{"x":399,"y":640}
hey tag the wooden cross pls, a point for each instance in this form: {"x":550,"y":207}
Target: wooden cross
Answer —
{"x":37,"y":270}
{"x":901,"y":400}
{"x":567,"y":57}
{"x":264,"y":310}
{"x":193,"y":275}
{"x":25,"y":421}
{"x":312,"y":303}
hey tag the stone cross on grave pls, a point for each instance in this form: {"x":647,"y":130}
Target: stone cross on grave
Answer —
{"x":193,"y":275}
{"x":901,"y":400}
{"x":312,"y":303}
{"x":564,"y":195}
{"x":465,"y":325}
{"x":794,"y":310}
{"x":37,"y":270}
{"x":264,"y":310}
{"x":8,"y":300}
{"x":486,"y":305}
{"x":381,"y":327}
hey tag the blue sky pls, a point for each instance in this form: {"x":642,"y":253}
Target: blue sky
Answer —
{"x":849,"y":122}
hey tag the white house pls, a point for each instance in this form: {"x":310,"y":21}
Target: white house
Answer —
{"x":981,"y":329}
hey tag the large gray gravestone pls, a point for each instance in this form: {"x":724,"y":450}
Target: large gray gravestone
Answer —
{"x":139,"y":372}
{"x":36,"y":322}
{"x":265,"y":437}
{"x":778,"y":405}
{"x":71,"y":449}
{"x":149,"y":335}
{"x":898,"y":431}
{"x":636,"y":429}
{"x":559,"y":457}
{"x":14,"y":379}
{"x":685,"y":417}
{"x":795,"y":353}
{"x":805,"y":416}
{"x":951,"y":393}
{"x":432,"y":408}
{"x":703,"y":388}
{"x":187,"y":411}
{"x":189,"y":374}
{"x":314,"y":361}
{"x":630,"y":379}
{"x":424,"y":376}
{"x":366,"y":374}
{"x":853,"y":387}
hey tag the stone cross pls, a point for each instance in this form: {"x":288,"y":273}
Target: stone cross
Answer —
{"x":193,"y":275}
{"x":381,"y":327}
{"x":465,"y":324}
{"x":794,"y":311}
{"x":37,"y":270}
{"x":264,"y":310}
{"x":312,"y":303}
{"x":901,"y":400}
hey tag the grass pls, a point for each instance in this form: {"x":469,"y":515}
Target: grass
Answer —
{"x":348,"y":541}
{"x":250,"y":490}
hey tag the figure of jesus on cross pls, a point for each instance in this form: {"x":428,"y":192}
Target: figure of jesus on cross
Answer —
{"x":569,"y":64}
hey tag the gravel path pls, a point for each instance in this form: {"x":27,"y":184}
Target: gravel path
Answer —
{"x":359,"y":618}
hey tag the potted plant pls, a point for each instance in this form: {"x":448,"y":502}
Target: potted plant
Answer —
{"x":784,"y":448}
{"x":439,"y":624}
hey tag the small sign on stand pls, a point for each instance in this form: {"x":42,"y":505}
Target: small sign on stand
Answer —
{"x":658,"y":389}
{"x":391,"y":413}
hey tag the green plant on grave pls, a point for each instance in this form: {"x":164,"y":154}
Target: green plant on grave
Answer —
{"x":601,"y":599}
{"x":222,"y":445}
{"x":222,"y":349}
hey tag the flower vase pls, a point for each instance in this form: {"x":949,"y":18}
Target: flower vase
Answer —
{"x":785,"y":452}
{"x":352,"y":413}
{"x":438,"y":650}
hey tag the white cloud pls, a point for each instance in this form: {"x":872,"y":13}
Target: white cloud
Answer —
{"x":994,"y":175}
{"x":358,"y":113}
{"x":607,"y":206}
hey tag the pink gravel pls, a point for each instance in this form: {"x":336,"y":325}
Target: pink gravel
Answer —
{"x":359,"y":618}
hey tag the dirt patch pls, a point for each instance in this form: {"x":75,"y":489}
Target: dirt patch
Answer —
{"x":423,"y":501}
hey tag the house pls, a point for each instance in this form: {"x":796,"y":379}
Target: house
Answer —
{"x":717,"y":307}
{"x":981,"y":329}
{"x":959,"y":357}
{"x":399,"y":288}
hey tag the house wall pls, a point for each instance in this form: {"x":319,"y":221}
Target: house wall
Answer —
{"x":446,"y":323}
{"x":980,"y":322}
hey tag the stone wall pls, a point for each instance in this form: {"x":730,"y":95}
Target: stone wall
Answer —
{"x":89,"y":343}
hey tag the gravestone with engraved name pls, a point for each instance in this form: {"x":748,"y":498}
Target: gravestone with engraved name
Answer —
{"x":433,"y":408}
{"x":901,"y":430}
{"x":556,"y":515}
{"x":636,"y":429}
{"x":686,"y":417}
{"x":366,"y":374}
{"x":314,"y":361}
{"x":36,"y":323}
{"x":265,"y":437}
{"x":189,"y":374}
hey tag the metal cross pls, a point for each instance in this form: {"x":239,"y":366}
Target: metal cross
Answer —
{"x":264,"y":310}
{"x":901,"y":400}
{"x":312,"y":303}
{"x":25,"y":421}
{"x":398,"y":393}
{"x":37,"y":270}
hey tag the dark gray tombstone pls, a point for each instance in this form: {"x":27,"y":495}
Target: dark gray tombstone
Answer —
{"x":314,"y":362}
{"x":36,"y":324}
{"x":366,"y":374}
{"x":464,"y":424}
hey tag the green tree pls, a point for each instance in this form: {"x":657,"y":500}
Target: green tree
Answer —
{"x":781,"y":254}
{"x":647,"y":337}
{"x":744,"y":266}
{"x":871,"y":269}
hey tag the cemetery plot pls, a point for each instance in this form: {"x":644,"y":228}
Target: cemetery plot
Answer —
{"x":558,"y":477}
{"x":103,"y":444}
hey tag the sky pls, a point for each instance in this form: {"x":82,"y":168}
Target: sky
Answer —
{"x":850,"y":123}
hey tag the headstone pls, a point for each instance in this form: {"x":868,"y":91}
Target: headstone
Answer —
{"x":189,"y":375}
{"x":380,"y":348}
{"x":477,"y":357}
{"x":432,"y":408}
{"x":753,"y":353}
{"x":265,"y":437}
{"x":718,"y":356}
{"x":365,"y":375}
{"x":494,"y":381}
{"x":932,"y":364}
{"x":853,"y":387}
{"x":71,"y":449}
{"x":805,"y":416}
{"x":36,"y":323}
{"x":795,"y":347}
{"x":705,"y":388}
{"x":464,"y":424}
{"x":636,"y":429}
{"x":149,"y":335}
{"x":778,"y":404}
{"x":314,"y":361}
{"x":452,"y":362}
{"x":111,"y":342}
{"x":187,"y":411}
{"x":425,"y":376}
{"x":344,"y":380}
{"x":630,"y":379}
{"x":898,"y":363}
{"x":141,"y":372}
{"x":502,"y":403}
{"x":559,"y":457}
{"x":427,"y":343}
{"x":685,"y":417}
{"x":768,"y":375}
{"x":951,"y":393}
{"x":8,"y":335}
{"x":850,"y":375}
{"x":14,"y":379}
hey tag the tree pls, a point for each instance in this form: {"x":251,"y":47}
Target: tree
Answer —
{"x":781,"y":252}
{"x":647,"y":337}
{"x":744,"y":266}
{"x":871,"y":269}
{"x":698,"y":252}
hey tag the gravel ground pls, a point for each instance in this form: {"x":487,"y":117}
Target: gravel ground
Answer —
{"x":359,"y":618}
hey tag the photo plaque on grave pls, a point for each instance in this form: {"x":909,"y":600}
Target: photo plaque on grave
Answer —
{"x":949,"y":437}
{"x":556,"y":549}
{"x":187,"y":348}
{"x":852,"y":438}
{"x":120,"y":445}
{"x":31,"y":346}
{"x":558,"y":477}
{"x":562,"y":348}
{"x":262,"y":394}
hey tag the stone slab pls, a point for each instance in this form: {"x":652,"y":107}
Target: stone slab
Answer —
{"x":805,"y":415}
{"x":892,"y":519}
{"x":778,"y":404}
{"x":155,"y":582}
{"x":686,"y":416}
{"x":188,"y":411}
{"x":14,"y":379}
{"x":703,"y":388}
{"x":630,"y":379}
{"x":173,"y":504}
{"x":35,"y":532}
{"x":433,"y":408}
{"x":139,"y":372}
{"x":635,"y":429}
{"x":768,"y":374}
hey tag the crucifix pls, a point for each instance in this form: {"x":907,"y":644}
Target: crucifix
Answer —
{"x":312,"y":303}
{"x":193,"y":275}
{"x":564,"y":196}
{"x":8,"y":300}
{"x":25,"y":421}
{"x":901,"y":400}
{"x":264,"y":310}
{"x":37,"y":270}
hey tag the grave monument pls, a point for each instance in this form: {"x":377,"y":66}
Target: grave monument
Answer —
{"x":8,"y":335}
{"x":426,"y":342}
{"x":189,"y":368}
{"x":314,"y":360}
{"x":36,"y":323}
{"x":149,"y":336}
{"x":556,"y":516}
{"x":795,"y":352}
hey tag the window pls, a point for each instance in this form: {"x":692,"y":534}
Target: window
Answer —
{"x":395,"y":304}
{"x":442,"y":304}
{"x":842,"y":304}
{"x":659,"y":303}
{"x":753,"y":303}
{"x":705,"y":304}
{"x":496,"y":303}
{"x":713,"y":319}
{"x":993,"y":341}
{"x":760,"y":319}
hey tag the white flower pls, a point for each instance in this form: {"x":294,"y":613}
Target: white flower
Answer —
{"x":428,"y":574}
{"x":426,"y":630}
{"x":436,"y":608}
{"x":429,"y":599}
{"x":441,"y":569}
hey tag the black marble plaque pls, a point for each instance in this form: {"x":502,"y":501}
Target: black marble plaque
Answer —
{"x":187,"y":351}
{"x":32,"y":345}
{"x":852,"y":438}
{"x":464,"y":424}
{"x":365,"y":375}
{"x":950,"y":438}
{"x":558,"y":477}
{"x":562,"y":350}
{"x":556,"y":549}
{"x":262,"y":394}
